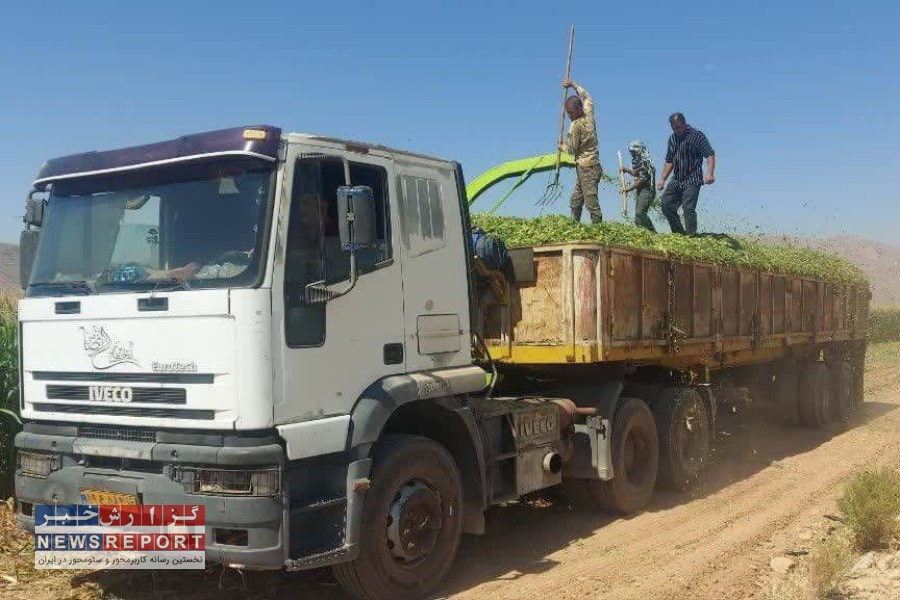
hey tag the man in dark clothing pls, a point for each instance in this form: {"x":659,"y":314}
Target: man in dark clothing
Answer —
{"x":684,"y":156}
{"x":643,"y":172}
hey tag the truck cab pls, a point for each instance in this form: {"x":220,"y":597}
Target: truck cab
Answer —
{"x":199,"y":328}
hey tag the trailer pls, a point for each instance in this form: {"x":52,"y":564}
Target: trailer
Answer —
{"x":294,"y":332}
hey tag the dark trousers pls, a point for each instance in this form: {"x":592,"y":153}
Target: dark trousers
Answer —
{"x":642,"y":201}
{"x":684,"y":196}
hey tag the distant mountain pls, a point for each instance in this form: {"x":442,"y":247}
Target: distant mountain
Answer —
{"x":880,"y":261}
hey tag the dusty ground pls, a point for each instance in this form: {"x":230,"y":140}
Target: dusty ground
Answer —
{"x":767,"y":483}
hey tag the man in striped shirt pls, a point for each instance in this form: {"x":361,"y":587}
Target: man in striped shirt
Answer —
{"x":684,"y":157}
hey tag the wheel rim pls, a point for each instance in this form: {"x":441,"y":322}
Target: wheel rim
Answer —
{"x":414,"y":521}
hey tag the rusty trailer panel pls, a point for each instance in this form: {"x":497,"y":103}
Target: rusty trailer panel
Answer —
{"x":592,"y":303}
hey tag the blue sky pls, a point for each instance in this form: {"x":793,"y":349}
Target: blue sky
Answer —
{"x":800,"y":99}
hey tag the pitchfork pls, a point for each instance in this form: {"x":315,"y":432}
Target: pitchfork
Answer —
{"x":554,"y":190}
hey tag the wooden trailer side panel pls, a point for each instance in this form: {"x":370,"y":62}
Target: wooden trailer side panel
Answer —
{"x":591,"y":303}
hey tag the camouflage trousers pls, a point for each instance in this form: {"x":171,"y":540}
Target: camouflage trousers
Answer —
{"x":585,"y":192}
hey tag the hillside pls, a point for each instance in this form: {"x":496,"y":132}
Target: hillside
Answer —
{"x":880,"y":261}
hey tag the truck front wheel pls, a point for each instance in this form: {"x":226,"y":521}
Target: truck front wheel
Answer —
{"x":412,"y":522}
{"x":682,"y":419}
{"x":635,"y":458}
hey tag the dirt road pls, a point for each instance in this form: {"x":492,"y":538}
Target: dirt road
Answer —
{"x":715,"y":542}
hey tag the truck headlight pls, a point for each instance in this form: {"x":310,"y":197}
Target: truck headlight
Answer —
{"x":33,"y":464}
{"x":229,"y":482}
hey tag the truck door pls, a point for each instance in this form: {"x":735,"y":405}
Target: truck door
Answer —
{"x":435,"y":287}
{"x":331,"y":352}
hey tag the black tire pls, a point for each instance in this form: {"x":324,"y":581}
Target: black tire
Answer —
{"x":842,"y":382}
{"x":682,"y":420}
{"x":635,"y":458}
{"x":787,"y":384}
{"x":858,"y":370}
{"x":816,"y":394}
{"x":418,"y":477}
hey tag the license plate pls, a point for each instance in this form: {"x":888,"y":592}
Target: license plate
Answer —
{"x":104,"y":497}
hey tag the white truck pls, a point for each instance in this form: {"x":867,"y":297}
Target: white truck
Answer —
{"x":280,"y":326}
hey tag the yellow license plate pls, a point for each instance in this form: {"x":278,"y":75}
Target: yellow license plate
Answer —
{"x":104,"y":497}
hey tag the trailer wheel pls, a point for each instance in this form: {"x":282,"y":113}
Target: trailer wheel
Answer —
{"x":858,"y":369}
{"x":412,"y":522}
{"x":635,"y":458}
{"x":682,"y":420}
{"x":816,"y":394}
{"x":788,"y":391}
{"x":843,"y":383}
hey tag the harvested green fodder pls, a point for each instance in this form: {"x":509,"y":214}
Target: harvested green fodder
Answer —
{"x":713,"y":248}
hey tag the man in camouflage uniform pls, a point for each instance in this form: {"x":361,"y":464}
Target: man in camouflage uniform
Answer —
{"x":581,"y":143}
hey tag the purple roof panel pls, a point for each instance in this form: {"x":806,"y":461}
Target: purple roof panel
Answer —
{"x":223,"y":141}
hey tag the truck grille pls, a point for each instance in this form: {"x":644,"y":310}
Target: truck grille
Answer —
{"x":182,"y":378}
{"x":112,"y":409}
{"x":126,"y":434}
{"x":139,"y":395}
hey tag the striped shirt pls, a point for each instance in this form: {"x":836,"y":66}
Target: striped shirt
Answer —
{"x":644,"y":173}
{"x":686,"y":153}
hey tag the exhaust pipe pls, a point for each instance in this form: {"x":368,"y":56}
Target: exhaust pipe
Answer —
{"x":553,"y":463}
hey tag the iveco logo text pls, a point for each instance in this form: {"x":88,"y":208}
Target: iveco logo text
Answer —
{"x":106,"y":393}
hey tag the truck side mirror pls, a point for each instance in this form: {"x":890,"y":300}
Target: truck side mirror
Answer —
{"x":28,"y":243}
{"x":34,"y":211}
{"x":356,"y":223}
{"x":356,"y":216}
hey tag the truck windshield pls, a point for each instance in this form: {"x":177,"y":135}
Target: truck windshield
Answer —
{"x":189,"y":226}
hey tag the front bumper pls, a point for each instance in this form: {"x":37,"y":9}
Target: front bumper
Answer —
{"x":264,"y":518}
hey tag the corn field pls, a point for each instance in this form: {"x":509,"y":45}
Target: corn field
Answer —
{"x":884,"y":325}
{"x":9,"y":394}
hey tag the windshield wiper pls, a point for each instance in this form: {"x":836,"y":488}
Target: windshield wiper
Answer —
{"x":85,"y":287}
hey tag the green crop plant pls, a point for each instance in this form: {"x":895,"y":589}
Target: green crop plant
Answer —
{"x":9,"y":393}
{"x":712,"y":248}
{"x":884,"y":325}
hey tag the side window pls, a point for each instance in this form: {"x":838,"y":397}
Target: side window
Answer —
{"x":422,"y":214}
{"x":314,"y":250}
{"x":304,"y":264}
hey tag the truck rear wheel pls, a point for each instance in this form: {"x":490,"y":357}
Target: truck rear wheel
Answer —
{"x":412,"y":522}
{"x":843,"y":385}
{"x":816,"y":394}
{"x":682,"y":420}
{"x":635,"y":458}
{"x":787,"y":385}
{"x":858,"y":369}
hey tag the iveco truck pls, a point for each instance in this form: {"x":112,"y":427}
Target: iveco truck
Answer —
{"x":295,"y":332}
